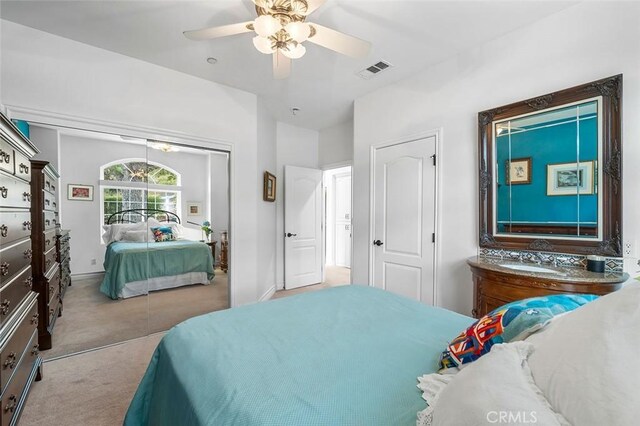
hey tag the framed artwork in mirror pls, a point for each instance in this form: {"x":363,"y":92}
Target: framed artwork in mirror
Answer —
{"x":80,"y":192}
{"x":550,"y":172}
{"x":269,"y":187}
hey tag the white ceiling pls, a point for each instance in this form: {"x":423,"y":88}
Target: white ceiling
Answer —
{"x":411,"y":35}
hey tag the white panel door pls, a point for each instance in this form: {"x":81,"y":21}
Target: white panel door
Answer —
{"x":302,"y":226}
{"x":404,"y":219}
{"x":343,"y":219}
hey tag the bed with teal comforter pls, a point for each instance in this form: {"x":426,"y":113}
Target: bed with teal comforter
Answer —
{"x":127,"y":262}
{"x":343,"y":356}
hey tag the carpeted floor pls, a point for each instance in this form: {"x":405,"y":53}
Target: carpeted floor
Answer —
{"x":92,"y":320}
{"x":96,"y":387}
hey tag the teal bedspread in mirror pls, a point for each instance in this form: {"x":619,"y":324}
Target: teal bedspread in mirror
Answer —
{"x":343,"y":356}
{"x":126,"y":262}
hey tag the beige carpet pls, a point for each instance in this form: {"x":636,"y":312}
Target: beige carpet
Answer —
{"x":334,"y":276}
{"x":92,"y":320}
{"x":96,"y":387}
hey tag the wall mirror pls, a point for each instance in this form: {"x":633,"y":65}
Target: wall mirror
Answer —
{"x":550,"y":172}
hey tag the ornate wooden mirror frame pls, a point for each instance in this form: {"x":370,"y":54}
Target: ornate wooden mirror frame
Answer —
{"x":611,"y":243}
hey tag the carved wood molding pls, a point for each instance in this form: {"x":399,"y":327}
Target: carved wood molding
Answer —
{"x":541,"y":245}
{"x":613,"y":167}
{"x":612,"y":246}
{"x":487,"y":239}
{"x":486,"y":117}
{"x":611,"y":87}
{"x":484,"y":179}
{"x":541,"y":102}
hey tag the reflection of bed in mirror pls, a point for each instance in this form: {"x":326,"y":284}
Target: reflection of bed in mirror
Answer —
{"x":139,"y":258}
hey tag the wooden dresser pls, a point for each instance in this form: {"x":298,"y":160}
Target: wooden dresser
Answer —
{"x":20,"y":361}
{"x":495,"y":283}
{"x":63,"y":249}
{"x":46,"y":269}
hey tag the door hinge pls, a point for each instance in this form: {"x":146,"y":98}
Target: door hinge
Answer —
{"x":433,"y":237}
{"x":433,"y":157}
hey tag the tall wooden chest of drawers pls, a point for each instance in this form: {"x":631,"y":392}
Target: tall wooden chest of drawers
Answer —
{"x":20,"y":361}
{"x":63,"y":247}
{"x":46,"y":269}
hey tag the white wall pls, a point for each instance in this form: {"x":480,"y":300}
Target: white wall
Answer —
{"x":47,"y":141}
{"x":63,"y":78}
{"x":336,"y":145}
{"x":296,"y":146}
{"x":266,"y":211}
{"x":583,"y":43}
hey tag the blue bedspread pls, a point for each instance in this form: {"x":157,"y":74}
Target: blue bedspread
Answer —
{"x":129,"y":262}
{"x":343,"y":356}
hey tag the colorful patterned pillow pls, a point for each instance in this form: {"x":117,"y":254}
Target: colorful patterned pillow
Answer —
{"x":511,"y":322}
{"x":163,"y":233}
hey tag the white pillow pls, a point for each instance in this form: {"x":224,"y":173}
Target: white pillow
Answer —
{"x":587,"y":361}
{"x":135,"y":236}
{"x":115,"y":231}
{"x":495,"y":389}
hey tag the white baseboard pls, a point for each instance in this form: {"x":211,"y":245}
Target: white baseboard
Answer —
{"x":87,"y":275}
{"x":269,"y":293}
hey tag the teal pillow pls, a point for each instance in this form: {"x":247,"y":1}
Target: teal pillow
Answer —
{"x":163,"y":233}
{"x":510,"y":322}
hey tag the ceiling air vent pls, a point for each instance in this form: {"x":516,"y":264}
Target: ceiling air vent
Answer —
{"x":374,"y":70}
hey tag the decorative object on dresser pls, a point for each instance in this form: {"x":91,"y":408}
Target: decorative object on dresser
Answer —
{"x":498,"y":281}
{"x":46,"y":269}
{"x":19,"y":351}
{"x":573,"y":138}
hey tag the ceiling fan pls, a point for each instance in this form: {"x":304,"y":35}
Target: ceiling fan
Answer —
{"x":281,"y":28}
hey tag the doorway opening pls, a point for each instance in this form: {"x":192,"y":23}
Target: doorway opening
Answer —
{"x":338,"y":227}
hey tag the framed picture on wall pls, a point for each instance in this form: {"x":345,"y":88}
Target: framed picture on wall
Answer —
{"x":518,"y":171}
{"x":269,"y":187}
{"x":194,"y":208}
{"x":571,"y":178}
{"x":80,"y":192}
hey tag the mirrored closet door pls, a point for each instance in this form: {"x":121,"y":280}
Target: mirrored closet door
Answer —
{"x":142,"y":234}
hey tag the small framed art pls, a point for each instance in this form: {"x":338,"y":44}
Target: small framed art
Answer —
{"x":571,"y":178}
{"x":194,"y":208}
{"x":519,"y":171}
{"x":80,"y":192}
{"x":269,"y":187}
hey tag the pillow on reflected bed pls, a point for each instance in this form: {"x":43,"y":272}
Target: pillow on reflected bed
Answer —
{"x":511,"y":322}
{"x":135,"y":236}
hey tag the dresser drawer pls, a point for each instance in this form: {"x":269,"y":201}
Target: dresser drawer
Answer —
{"x":23,"y":166}
{"x":53,"y":285}
{"x":50,"y":219}
{"x":14,"y":192}
{"x":14,"y":292}
{"x":49,"y":240}
{"x":15,"y":347}
{"x":50,"y":184}
{"x":14,"y":258}
{"x":14,"y":225}
{"x":13,"y":394}
{"x":50,"y":201}
{"x":49,"y":259}
{"x":53,"y":310}
{"x":6,"y":156}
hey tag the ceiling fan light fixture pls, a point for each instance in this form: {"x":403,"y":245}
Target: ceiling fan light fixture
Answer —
{"x":298,"y":31}
{"x":264,"y":45}
{"x":296,"y":52}
{"x":266,"y":25}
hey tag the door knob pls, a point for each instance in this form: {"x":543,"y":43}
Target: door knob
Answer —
{"x":378,"y":243}
{"x":289,"y":235}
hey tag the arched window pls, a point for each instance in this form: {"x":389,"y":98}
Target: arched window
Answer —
{"x":138,"y":184}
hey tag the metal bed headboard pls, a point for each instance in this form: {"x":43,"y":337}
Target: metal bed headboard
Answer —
{"x":130,"y":216}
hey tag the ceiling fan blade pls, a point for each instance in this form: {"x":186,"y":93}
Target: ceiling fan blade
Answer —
{"x":281,"y":65}
{"x":339,"y":42}
{"x":223,"y":31}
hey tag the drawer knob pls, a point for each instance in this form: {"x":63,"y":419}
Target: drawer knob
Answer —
{"x":47,"y":202}
{"x":36,"y":350}
{"x":26,"y":225}
{"x":10,"y":362}
{"x":47,"y":242}
{"x":34,"y":319}
{"x":48,"y":222}
{"x":11,"y":405}
{"x":4,"y":230}
{"x":26,"y":196}
{"x":5,"y":156}
{"x":4,"y":307}
{"x":47,"y":263}
{"x":24,"y":168}
{"x":4,"y":191}
{"x":51,"y":311}
{"x":4,"y":268}
{"x":53,"y":187}
{"x":28,"y":283}
{"x":28,"y":254}
{"x":55,"y":205}
{"x":50,"y":289}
